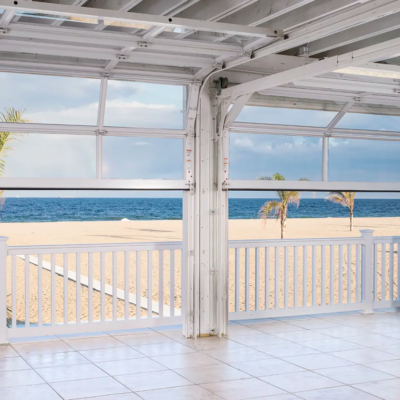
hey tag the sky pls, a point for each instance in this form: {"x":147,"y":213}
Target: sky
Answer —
{"x":62,"y":100}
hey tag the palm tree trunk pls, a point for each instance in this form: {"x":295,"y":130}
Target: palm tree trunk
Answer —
{"x":283,"y":225}
{"x":351,"y":220}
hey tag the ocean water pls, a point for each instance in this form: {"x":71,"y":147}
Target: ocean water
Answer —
{"x":112,"y":209}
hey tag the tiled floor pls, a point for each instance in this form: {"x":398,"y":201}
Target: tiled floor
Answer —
{"x":347,"y":356}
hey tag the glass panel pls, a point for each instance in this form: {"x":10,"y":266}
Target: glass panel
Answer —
{"x":294,"y":157}
{"x":364,"y":160}
{"x":137,"y":158}
{"x":51,"y":99}
{"x":286,"y":116}
{"x":144,"y":105}
{"x":51,"y":156}
{"x":370,"y":122}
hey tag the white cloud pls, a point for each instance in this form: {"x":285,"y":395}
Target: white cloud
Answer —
{"x":142,"y":144}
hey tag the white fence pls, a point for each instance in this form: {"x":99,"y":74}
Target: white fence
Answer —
{"x":82,"y":288}
{"x":274,"y":278}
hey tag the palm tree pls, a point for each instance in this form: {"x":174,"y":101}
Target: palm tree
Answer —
{"x":9,"y":115}
{"x":279,"y":209}
{"x":346,"y":199}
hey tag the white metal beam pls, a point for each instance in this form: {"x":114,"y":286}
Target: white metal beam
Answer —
{"x":235,"y":110}
{"x":77,"y":3}
{"x":84,"y":12}
{"x":90,"y":184}
{"x":313,"y":186}
{"x":338,"y":117}
{"x":6,"y":18}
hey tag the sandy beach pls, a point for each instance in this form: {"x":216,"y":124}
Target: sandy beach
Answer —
{"x":158,"y":231}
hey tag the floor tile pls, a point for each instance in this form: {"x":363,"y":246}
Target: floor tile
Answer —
{"x":81,"y":389}
{"x":271,"y":366}
{"x":135,"y":366}
{"x":373,"y":340}
{"x":286,"y":350}
{"x":300,"y":381}
{"x":57,"y":346}
{"x":392,"y":349}
{"x":242,"y":389}
{"x":19,"y":378}
{"x":33,"y":392}
{"x":381,"y":327}
{"x":390,"y":367}
{"x":262,"y":339}
{"x":354,"y":374}
{"x":13,"y":364}
{"x":94,"y":343}
{"x":364,"y":356}
{"x":153,"y":380}
{"x":301,"y":336}
{"x":395,"y":335}
{"x":189,"y":360}
{"x":70,"y":373}
{"x":275,"y":327}
{"x":7,"y":351}
{"x":82,"y":335}
{"x":211,"y":344}
{"x":211,"y":373}
{"x":113,"y":354}
{"x":237,"y":355}
{"x":332,"y":344}
{"x":317,"y":361}
{"x":241,"y":330}
{"x":341,"y":331}
{"x":180,"y":393}
{"x":163,"y":349}
{"x":315,"y":324}
{"x":287,"y":396}
{"x":388,"y":390}
{"x":55,"y":359}
{"x":125,"y":396}
{"x":144,"y":338}
{"x":342,"y":393}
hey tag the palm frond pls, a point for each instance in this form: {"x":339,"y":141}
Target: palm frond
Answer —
{"x":271,"y":208}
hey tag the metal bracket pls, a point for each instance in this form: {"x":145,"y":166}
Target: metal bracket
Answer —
{"x":218,"y":65}
{"x":246,"y":54}
{"x":122,"y":57}
{"x":144,"y":44}
{"x":225,"y":185}
{"x":3,"y":31}
{"x":106,"y":75}
{"x":397,"y":91}
{"x":100,"y":132}
{"x":192,"y":187}
{"x":357,"y":99}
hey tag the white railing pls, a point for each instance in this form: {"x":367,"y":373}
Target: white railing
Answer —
{"x":273,"y":278}
{"x":82,"y":288}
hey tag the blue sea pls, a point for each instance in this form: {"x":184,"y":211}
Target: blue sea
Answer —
{"x":116,"y":209}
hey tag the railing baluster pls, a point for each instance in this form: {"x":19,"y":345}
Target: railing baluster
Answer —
{"x":90,"y":290}
{"x":391,"y":269}
{"x":295,"y":277}
{"x":257,"y":279}
{"x":323,"y":266}
{"x":247,"y":273}
{"x":161,"y":283}
{"x":172,"y":283}
{"x":358,"y":267}
{"x":40,"y":290}
{"x":138,"y":286}
{"x":115,"y":286}
{"x":53,"y":289}
{"x":375,"y":267}
{"x":103,"y":284}
{"x":266,"y":266}
{"x":398,"y":271}
{"x":286,"y":276}
{"x":331,"y":275}
{"x":276,"y":302}
{"x":126,"y":285}
{"x":305,"y":283}
{"x":13,"y":291}
{"x":340,"y":274}
{"x":383,"y":273}
{"x":314,"y":275}
{"x":349,"y":257}
{"x":65,"y":288}
{"x":150,"y":284}
{"x":27,"y":292}
{"x":78,"y":288}
{"x":237,"y":280}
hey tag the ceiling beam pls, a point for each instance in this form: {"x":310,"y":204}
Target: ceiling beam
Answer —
{"x":77,"y":3}
{"x":156,"y":20}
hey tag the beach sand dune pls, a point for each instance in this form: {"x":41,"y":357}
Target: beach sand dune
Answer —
{"x":157,"y":231}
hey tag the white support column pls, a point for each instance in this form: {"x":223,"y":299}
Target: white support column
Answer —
{"x":325,"y":158}
{"x":100,"y":127}
{"x":3,"y":290}
{"x":367,"y":271}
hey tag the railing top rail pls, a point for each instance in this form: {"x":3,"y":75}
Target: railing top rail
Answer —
{"x":93,"y":248}
{"x":293,"y":242}
{"x":386,"y":239}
